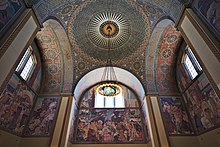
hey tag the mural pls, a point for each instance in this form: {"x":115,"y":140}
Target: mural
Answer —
{"x":175,"y":116}
{"x":109,"y":126}
{"x":210,"y":12}
{"x":88,"y":100}
{"x":42,"y":118}
{"x":73,"y":122}
{"x":37,"y":81}
{"x":203,"y":104}
{"x":16,"y":102}
{"x":9,"y":9}
{"x":144,"y":109}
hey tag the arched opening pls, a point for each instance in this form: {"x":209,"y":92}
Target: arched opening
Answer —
{"x":117,"y":120}
{"x":56,"y":56}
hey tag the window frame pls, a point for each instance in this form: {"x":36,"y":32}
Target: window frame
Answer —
{"x":105,"y":101}
{"x":29,"y":53}
{"x":195,"y":63}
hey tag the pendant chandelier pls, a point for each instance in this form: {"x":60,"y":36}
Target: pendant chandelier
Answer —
{"x":109,"y":85}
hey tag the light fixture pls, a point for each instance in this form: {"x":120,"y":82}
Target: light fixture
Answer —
{"x":109,"y":85}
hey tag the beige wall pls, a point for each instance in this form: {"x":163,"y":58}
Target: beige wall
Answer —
{"x":34,"y":142}
{"x":210,"y":139}
{"x":159,"y":122}
{"x":8,"y":140}
{"x":56,"y":139}
{"x":184,"y":141}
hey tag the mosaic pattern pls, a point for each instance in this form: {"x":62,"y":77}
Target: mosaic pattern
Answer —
{"x":203,"y":104}
{"x":83,"y":42}
{"x":51,"y":60}
{"x":32,"y":2}
{"x":151,"y":57}
{"x":43,"y":117}
{"x":164,"y":4}
{"x":110,"y":126}
{"x":175,"y":116}
{"x":167,"y":53}
{"x":154,"y":10}
{"x":16,"y":102}
{"x":56,"y":50}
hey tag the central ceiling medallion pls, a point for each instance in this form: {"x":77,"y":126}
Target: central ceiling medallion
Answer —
{"x":109,"y":29}
{"x":88,"y":27}
{"x":100,"y":25}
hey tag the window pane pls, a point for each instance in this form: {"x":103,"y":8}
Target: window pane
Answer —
{"x":99,"y":101}
{"x":119,"y":101}
{"x":27,"y":69}
{"x":23,"y":59}
{"x":191,"y":69}
{"x":109,"y":102}
{"x":194,"y":59}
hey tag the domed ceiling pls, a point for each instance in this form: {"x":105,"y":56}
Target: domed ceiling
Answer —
{"x":99,"y":29}
{"x":129,"y":30}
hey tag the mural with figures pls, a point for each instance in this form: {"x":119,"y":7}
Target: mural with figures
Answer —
{"x":8,"y":10}
{"x":210,"y":12}
{"x":73,"y":122}
{"x":16,"y":102}
{"x":88,"y":100}
{"x":175,"y":116}
{"x":203,"y":104}
{"x":109,"y":126}
{"x":43,"y":117}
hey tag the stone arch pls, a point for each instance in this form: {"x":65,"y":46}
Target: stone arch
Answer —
{"x":161,"y":55}
{"x":94,"y":77}
{"x":151,"y":55}
{"x":167,"y":52}
{"x":55,"y":50}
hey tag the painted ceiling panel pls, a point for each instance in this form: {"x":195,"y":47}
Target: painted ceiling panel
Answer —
{"x":86,"y":23}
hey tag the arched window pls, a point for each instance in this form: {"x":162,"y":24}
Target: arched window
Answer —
{"x":27,"y":64}
{"x":191,"y":64}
